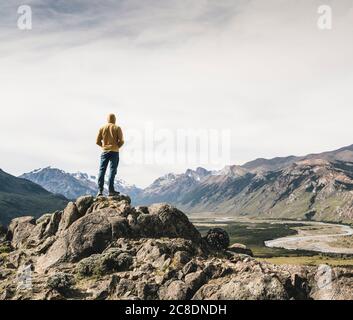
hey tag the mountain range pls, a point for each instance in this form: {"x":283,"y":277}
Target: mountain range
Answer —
{"x":315,"y":186}
{"x":72,"y":185}
{"x":307,"y":189}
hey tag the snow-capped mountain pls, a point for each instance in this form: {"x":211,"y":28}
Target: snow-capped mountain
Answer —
{"x":72,"y":185}
{"x":171,"y":187}
{"x":232,"y":171}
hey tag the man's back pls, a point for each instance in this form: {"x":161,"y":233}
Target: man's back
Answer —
{"x":110,"y":136}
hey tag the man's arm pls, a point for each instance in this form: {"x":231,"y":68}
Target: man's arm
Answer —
{"x":99,"y":138}
{"x":120,"y":137}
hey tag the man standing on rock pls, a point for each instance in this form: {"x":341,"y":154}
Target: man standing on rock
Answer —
{"x":110,"y":138}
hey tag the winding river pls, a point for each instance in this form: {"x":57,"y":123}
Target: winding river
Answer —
{"x":316,"y":236}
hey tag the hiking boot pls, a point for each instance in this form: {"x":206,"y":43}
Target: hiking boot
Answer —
{"x":113,"y":193}
{"x":100,"y":194}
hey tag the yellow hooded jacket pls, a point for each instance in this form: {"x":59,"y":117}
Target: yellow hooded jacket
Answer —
{"x":110,"y":137}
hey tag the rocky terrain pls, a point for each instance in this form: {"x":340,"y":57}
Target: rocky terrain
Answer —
{"x":105,"y":248}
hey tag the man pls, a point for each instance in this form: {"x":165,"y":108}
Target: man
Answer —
{"x":110,"y":139}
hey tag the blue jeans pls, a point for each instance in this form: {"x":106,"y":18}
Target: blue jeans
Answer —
{"x":106,"y":157}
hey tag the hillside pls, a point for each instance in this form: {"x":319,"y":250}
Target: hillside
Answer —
{"x":263,"y":165}
{"x":308,"y":189}
{"x":20,"y":197}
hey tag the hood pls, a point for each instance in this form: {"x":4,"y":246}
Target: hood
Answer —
{"x":111,"y":118}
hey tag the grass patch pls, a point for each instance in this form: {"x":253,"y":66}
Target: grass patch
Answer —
{"x":4,"y":249}
{"x":313,"y":261}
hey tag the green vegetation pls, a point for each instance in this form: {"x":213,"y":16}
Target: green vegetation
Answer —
{"x":253,"y":235}
{"x":4,"y":248}
{"x":19,"y":197}
{"x":313,"y":260}
{"x":14,"y":205}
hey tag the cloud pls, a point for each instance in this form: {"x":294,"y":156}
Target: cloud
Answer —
{"x":259,"y":68}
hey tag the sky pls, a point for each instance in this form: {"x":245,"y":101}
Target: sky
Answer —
{"x":260,"y":72}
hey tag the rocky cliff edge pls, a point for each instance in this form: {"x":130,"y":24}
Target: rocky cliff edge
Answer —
{"x":103,"y":248}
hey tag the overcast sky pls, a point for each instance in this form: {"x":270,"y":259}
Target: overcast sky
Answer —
{"x":262,"y":69}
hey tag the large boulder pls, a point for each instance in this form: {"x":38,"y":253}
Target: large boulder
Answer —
{"x":164,"y":220}
{"x":53,"y":224}
{"x":176,"y":290}
{"x":245,"y":286}
{"x":240,"y":249}
{"x":83,"y":203}
{"x":108,"y":219}
{"x":157,"y":252}
{"x":217,"y":239}
{"x":113,"y":260}
{"x":89,"y":235}
{"x":69,"y":216}
{"x":20,"y":229}
{"x":37,"y":235}
{"x":120,"y":203}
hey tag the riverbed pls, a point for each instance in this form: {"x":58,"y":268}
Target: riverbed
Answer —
{"x":319,"y":237}
{"x":280,"y":237}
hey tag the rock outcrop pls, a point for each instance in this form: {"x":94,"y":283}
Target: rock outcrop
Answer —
{"x":105,"y":248}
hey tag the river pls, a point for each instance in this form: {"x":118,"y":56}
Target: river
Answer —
{"x":311,"y":235}
{"x":317,"y":236}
